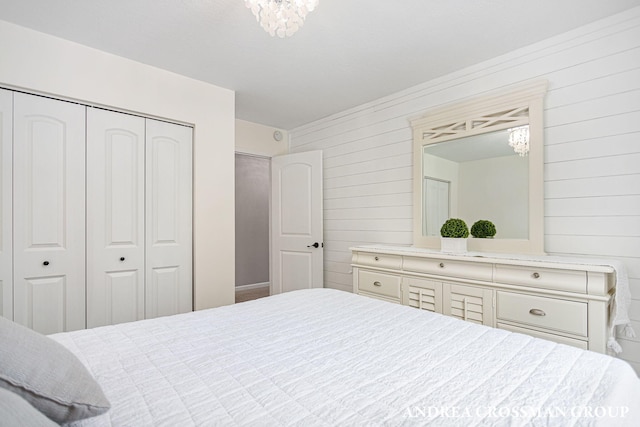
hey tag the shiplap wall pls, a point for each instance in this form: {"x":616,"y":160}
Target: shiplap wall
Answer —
{"x":592,"y":152}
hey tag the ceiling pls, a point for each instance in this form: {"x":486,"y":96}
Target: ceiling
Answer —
{"x":472,"y":148}
{"x":348,"y":53}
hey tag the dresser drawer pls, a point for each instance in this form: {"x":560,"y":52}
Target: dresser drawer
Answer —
{"x":547,"y":278}
{"x":379,"y":283}
{"x":549,"y":313}
{"x":545,"y":336}
{"x":379,"y":260}
{"x":444,"y":267}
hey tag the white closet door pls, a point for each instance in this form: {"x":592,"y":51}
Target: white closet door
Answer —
{"x":115,"y":217}
{"x":6,"y":160}
{"x":49,"y":214}
{"x":168,"y":219}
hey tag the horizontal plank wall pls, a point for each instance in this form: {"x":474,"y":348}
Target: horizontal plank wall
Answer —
{"x":592,"y":151}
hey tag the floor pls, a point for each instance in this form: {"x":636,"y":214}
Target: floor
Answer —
{"x":251,"y":294}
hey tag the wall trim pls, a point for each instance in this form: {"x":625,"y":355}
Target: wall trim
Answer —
{"x":252,"y":286}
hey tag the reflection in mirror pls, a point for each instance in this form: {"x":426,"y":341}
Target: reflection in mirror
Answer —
{"x":436,"y":196}
{"x":483,"y":176}
{"x":505,"y":187}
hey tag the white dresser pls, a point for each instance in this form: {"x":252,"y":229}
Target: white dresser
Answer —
{"x":566,"y":301}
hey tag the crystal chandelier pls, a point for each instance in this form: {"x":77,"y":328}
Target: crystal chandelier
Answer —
{"x":281,"y":17}
{"x":519,"y":140}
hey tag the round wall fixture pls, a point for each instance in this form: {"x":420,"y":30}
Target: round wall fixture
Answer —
{"x":277,"y":135}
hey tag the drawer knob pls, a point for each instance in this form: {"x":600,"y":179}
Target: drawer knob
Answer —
{"x":376,"y":258}
{"x":537,"y":312}
{"x":536,"y":275}
{"x":376,"y":283}
{"x":441,"y":265}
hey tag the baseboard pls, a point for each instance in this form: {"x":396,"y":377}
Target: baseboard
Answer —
{"x":252,"y":286}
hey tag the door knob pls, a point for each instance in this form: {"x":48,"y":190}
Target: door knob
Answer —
{"x":121,"y":258}
{"x":45,"y":263}
{"x":315,"y":245}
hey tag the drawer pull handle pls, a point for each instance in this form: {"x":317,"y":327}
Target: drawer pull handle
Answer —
{"x":376,"y":283}
{"x":537,"y":312}
{"x":377,"y":259}
{"x":441,"y":265}
{"x":536,"y":275}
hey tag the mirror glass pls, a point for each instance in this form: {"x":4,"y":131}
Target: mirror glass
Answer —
{"x":473,"y":178}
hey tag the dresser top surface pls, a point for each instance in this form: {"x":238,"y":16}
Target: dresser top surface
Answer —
{"x":547,"y":261}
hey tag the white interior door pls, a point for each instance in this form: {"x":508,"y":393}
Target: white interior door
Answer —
{"x":169,"y":286}
{"x":296,"y":222}
{"x":49,"y":214}
{"x":115,"y":217}
{"x":6,"y":226}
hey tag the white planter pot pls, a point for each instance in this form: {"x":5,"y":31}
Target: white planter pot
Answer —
{"x":453,"y":245}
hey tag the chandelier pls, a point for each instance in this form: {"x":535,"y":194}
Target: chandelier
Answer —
{"x":281,"y":17}
{"x":519,"y":140}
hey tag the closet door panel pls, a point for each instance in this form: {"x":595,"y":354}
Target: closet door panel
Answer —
{"x":164,"y":291}
{"x":168,"y":219}
{"x":115,"y":217}
{"x":49,"y":214}
{"x":123,"y":293}
{"x":44,"y":304}
{"x":6,"y":223}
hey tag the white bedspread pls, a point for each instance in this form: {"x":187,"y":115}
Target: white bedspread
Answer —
{"x":328,"y":358}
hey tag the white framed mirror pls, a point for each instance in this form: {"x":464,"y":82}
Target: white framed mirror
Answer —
{"x":483,"y":159}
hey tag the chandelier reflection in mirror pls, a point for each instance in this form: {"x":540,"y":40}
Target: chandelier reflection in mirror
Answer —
{"x":281,"y":17}
{"x":519,"y":140}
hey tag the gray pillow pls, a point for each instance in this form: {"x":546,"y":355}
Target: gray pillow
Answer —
{"x":47,"y":375}
{"x":16,"y":412}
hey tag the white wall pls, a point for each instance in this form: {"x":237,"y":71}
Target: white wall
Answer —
{"x":34,"y":61}
{"x":254,"y":138}
{"x":592,"y":151}
{"x":496,"y":189}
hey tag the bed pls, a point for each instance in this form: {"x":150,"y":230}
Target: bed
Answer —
{"x":323,"y":357}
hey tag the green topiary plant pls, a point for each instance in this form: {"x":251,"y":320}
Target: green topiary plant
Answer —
{"x":454,"y":228}
{"x":483,"y":229}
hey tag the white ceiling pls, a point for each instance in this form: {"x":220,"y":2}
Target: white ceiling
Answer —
{"x":471,"y":148}
{"x":349,"y":52}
